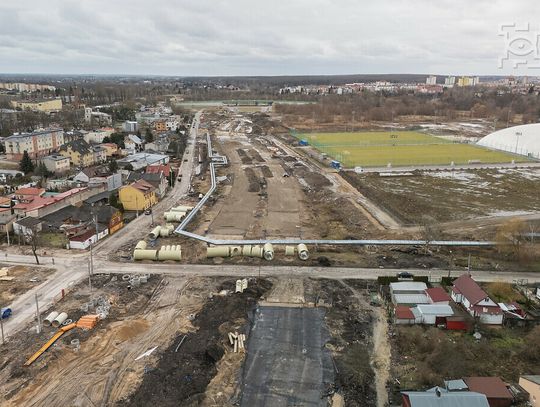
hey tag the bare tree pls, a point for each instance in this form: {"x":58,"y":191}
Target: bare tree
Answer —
{"x":430,"y":231}
{"x":510,"y":236}
{"x":32,"y":236}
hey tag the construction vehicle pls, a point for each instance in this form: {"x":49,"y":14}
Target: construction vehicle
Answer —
{"x":85,"y":322}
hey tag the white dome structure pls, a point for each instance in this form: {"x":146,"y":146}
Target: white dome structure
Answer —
{"x":522,"y":140}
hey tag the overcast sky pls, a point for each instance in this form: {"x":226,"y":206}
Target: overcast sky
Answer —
{"x":253,"y":37}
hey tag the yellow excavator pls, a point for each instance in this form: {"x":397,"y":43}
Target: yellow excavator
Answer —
{"x":86,"y":322}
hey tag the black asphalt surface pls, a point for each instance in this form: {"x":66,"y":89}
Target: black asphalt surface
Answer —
{"x":287,"y":363}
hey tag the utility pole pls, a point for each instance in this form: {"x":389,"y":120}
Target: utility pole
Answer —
{"x":38,"y":330}
{"x":7,"y":234}
{"x":90,"y":278}
{"x":2,"y":326}
{"x":469,"y":264}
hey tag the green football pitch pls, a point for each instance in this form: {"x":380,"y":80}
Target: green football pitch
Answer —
{"x":400,"y":148}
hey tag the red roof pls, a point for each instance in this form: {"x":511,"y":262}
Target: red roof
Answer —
{"x":492,"y":387}
{"x":466,"y":286}
{"x":437,"y":294}
{"x":40,"y":202}
{"x":403,"y":312}
{"x":31,"y":191}
{"x":143,"y":186}
{"x":157,"y":168}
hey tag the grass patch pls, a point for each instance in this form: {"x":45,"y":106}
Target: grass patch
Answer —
{"x":401,"y":148}
{"x":50,"y":239}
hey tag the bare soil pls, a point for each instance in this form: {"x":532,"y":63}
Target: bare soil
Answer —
{"x":10,"y":289}
{"x":181,"y":378}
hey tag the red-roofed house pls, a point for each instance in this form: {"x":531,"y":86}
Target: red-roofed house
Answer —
{"x":403,"y":315}
{"x":493,"y":388}
{"x":44,"y":205}
{"x":157,"y":168}
{"x":26,"y":195}
{"x":476,"y":301}
{"x":438,"y":295}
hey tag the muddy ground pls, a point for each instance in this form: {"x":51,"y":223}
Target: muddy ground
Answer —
{"x":181,"y":377}
{"x":445,"y":196}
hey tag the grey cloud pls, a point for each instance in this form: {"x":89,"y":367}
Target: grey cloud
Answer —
{"x":237,"y":37}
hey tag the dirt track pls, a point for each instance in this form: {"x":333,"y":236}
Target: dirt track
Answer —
{"x":104,"y":370}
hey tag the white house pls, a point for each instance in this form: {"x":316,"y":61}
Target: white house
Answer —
{"x":431,"y":314}
{"x":467,"y":292}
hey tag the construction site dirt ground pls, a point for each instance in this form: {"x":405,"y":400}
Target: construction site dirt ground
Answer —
{"x":182,"y":325}
{"x":267,"y":191}
{"x":19,"y":279}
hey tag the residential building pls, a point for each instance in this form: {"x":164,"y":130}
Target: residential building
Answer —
{"x":111,"y":149}
{"x":130,"y":126}
{"x":7,"y":219}
{"x":84,"y":240}
{"x":59,"y":183}
{"x":100,"y":118}
{"x":172,"y":123}
{"x":44,"y":205}
{"x":476,"y":301}
{"x":45,"y":105}
{"x":160,"y":125}
{"x":27,"y":194}
{"x":99,"y":175}
{"x":157,"y":179}
{"x":27,"y":87}
{"x":79,"y":152}
{"x":138,"y":196}
{"x":160,"y":145}
{"x":56,"y":163}
{"x":431,"y":80}
{"x":37,"y":144}
{"x":441,"y":397}
{"x":74,"y":220}
{"x":531,"y":384}
{"x":27,"y":225}
{"x":69,"y":136}
{"x":133,"y":143}
{"x":100,"y":154}
{"x":450,"y":81}
{"x":97,"y":136}
{"x":493,"y":388}
{"x":157,"y":168}
{"x":141,"y":160}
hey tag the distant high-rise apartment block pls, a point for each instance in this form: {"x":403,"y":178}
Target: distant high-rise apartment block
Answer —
{"x":431,"y":80}
{"x":468,"y":81}
{"x":450,"y":81}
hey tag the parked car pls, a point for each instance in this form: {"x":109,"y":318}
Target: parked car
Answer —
{"x":148,"y":211}
{"x":5,"y":313}
{"x":405,"y":274}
